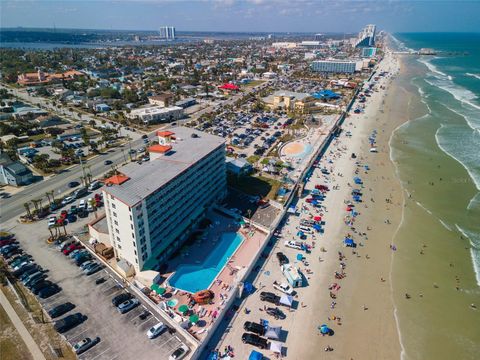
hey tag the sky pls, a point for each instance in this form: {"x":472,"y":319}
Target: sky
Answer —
{"x":244,"y":15}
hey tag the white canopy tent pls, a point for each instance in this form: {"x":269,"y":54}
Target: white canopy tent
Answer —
{"x":276,"y":347}
{"x":286,"y":300}
{"x":273,"y":332}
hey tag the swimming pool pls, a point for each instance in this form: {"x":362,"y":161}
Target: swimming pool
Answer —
{"x":193,"y":278}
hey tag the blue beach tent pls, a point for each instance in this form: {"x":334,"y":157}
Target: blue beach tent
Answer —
{"x":255,"y":355}
{"x":317,"y":227}
{"x":349,"y":242}
{"x":299,"y":257}
{"x":248,"y":287}
{"x":357,"y":180}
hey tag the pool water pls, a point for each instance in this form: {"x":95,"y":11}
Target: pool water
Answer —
{"x":193,"y":278}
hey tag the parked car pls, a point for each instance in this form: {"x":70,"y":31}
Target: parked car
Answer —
{"x":68,"y":200}
{"x":92,"y":269}
{"x":49,"y":291}
{"x":69,"y":322}
{"x":61,"y":309}
{"x":40,"y":286}
{"x":52,"y":220}
{"x":127,"y":305}
{"x":254,"y":340}
{"x":179,"y":353}
{"x":107,"y":162}
{"x":283,"y":287}
{"x":82,"y":258}
{"x":73,"y":209}
{"x":72,"y":247}
{"x":95,"y":185}
{"x":156,"y":330}
{"x":282,"y":258}
{"x":85,"y":344}
{"x":269,"y":297}
{"x":117,"y":300}
{"x":254,"y":328}
{"x":87,"y":264}
{"x":293,"y":244}
{"x":276,"y":313}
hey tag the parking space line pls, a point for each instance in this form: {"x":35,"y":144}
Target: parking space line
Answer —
{"x":101,"y":353}
{"x":166,"y":342}
{"x":73,"y":337}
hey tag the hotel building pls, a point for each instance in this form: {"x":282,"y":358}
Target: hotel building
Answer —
{"x":334,"y":66}
{"x":156,"y":114}
{"x":152,"y":207}
{"x":167,"y":32}
{"x":366,"y":37}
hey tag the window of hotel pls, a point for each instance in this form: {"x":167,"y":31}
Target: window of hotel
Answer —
{"x":135,"y":252}
{"x":133,"y":235}
{"x":118,"y":231}
{"x":134,"y":245}
{"x":119,"y":246}
{"x":118,"y":238}
{"x":114,"y":214}
{"x":113,"y":206}
{"x":116,"y":222}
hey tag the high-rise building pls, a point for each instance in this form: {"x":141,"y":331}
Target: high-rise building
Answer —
{"x":167,"y":32}
{"x":366,"y":37}
{"x":152,"y":207}
{"x":334,"y":66}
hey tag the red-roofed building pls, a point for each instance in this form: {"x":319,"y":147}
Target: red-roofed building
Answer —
{"x":161,"y":149}
{"x":229,"y":87}
{"x":165,"y":133}
{"x":118,"y":179}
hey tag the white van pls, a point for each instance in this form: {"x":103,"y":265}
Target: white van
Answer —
{"x":305,"y":229}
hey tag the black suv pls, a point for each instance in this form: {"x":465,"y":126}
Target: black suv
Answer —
{"x":254,"y":328}
{"x":282,"y":258}
{"x":276,"y":313}
{"x":254,"y":340}
{"x":269,"y":297}
{"x":61,"y":309}
{"x":69,"y":322}
{"x":117,"y":300}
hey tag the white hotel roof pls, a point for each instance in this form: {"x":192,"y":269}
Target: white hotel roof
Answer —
{"x":147,"y":177}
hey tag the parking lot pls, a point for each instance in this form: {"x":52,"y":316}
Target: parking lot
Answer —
{"x":122,"y":336}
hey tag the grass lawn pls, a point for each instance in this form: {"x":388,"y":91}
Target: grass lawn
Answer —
{"x":11,"y":343}
{"x":255,"y":185}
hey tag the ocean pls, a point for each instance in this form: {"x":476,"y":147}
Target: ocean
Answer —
{"x":437,"y":158}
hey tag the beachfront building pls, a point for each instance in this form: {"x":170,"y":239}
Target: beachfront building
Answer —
{"x":290,"y":101}
{"x":334,"y":66}
{"x":41,"y":78}
{"x":156,"y":114}
{"x":366,"y":37}
{"x":152,"y":207}
{"x":167,"y":32}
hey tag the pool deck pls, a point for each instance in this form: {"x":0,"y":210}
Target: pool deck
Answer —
{"x":227,"y":279}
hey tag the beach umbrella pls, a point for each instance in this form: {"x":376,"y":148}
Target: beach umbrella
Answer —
{"x":317,"y":218}
{"x":158,"y":289}
{"x":324,"y":329}
{"x":172,"y":303}
{"x":183,"y":308}
{"x":299,"y":257}
{"x":194,"y":318}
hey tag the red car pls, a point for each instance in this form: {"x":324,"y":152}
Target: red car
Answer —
{"x":71,"y":248}
{"x":7,"y":242}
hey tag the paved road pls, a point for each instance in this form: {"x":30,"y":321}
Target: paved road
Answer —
{"x":22,"y":330}
{"x":13,"y":206}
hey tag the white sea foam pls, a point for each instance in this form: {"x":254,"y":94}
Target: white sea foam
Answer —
{"x":477,"y":76}
{"x":431,"y":67}
{"x":474,"y":202}
{"x":445,"y":225}
{"x":473,"y":175}
{"x":474,"y":249}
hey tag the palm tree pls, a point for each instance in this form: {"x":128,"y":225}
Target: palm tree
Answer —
{"x":27,"y":208}
{"x":48,"y":197}
{"x":35,"y":205}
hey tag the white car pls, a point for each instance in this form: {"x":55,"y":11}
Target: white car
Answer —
{"x":293,"y":244}
{"x":156,"y":330}
{"x":82,"y":204}
{"x":68,"y":200}
{"x":283,"y":287}
{"x":179,"y":353}
{"x":52,"y":221}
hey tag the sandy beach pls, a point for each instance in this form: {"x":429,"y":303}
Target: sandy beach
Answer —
{"x":362,"y":318}
{"x":364,"y":304}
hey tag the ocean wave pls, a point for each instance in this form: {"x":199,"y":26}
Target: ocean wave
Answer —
{"x":470,"y":120}
{"x":477,"y":76}
{"x":474,"y":202}
{"x":474,"y":175}
{"x":431,"y":67}
{"x":474,"y":239}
